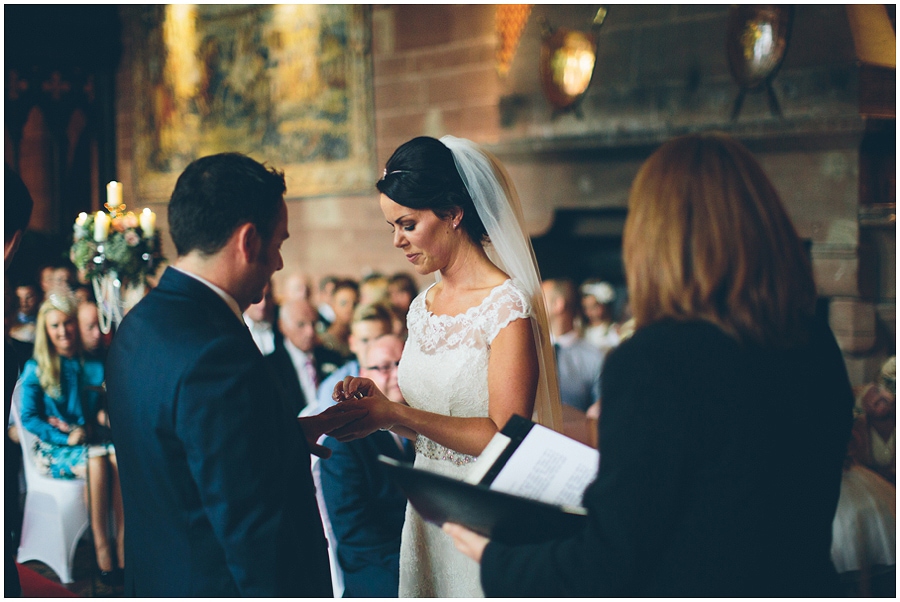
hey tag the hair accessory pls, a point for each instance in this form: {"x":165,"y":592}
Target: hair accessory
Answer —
{"x":63,"y":303}
{"x":386,"y":174}
{"x":601,"y":291}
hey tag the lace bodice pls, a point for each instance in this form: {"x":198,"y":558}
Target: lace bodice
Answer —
{"x":444,"y":370}
{"x":444,"y":364}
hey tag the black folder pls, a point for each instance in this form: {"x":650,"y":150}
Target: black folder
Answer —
{"x":500,"y":516}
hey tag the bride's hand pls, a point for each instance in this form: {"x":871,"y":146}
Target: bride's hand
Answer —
{"x":355,"y":392}
{"x":353,"y":387}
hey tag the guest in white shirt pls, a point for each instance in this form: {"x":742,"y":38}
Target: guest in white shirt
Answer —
{"x":301,"y":362}
{"x":261,"y":318}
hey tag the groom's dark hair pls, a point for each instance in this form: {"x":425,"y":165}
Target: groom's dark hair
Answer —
{"x":217,"y":194}
{"x":421,"y":174}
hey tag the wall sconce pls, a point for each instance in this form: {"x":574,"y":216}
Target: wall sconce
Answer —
{"x":757,"y":40}
{"x":567,"y":63}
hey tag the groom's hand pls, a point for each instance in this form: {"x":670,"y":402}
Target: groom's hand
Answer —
{"x":332,"y":418}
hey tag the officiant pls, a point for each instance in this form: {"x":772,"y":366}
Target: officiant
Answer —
{"x":726,"y":415}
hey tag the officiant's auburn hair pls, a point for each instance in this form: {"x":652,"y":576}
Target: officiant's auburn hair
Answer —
{"x":421,"y":174}
{"x":219,"y":193}
{"x":707,"y":237}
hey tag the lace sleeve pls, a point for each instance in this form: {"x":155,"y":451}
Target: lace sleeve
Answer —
{"x":510,"y":304}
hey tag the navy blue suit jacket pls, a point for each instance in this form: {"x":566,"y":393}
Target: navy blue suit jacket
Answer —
{"x":215,"y":471}
{"x":366,"y":510}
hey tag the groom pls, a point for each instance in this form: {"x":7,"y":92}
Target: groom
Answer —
{"x":218,"y":495}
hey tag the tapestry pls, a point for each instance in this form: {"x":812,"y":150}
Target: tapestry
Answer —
{"x":289,"y":85}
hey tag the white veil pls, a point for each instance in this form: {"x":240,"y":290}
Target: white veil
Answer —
{"x":510,"y":249}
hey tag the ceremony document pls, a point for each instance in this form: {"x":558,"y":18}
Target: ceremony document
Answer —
{"x":525,"y":487}
{"x":530,"y":460}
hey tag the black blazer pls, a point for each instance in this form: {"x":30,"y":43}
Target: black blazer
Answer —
{"x":719,"y":475}
{"x":215,"y":471}
{"x":325,"y":360}
{"x":366,"y":509}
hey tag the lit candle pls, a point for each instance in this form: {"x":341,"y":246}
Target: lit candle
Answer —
{"x":101,"y":226}
{"x":114,"y":195}
{"x":148,"y":222}
{"x":81,"y":219}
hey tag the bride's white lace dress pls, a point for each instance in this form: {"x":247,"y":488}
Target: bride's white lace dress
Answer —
{"x":444,"y":370}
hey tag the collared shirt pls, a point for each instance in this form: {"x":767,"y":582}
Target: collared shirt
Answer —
{"x":299,"y":359}
{"x":225,"y":296}
{"x":263,"y":335}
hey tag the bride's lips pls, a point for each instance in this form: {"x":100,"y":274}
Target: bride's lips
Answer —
{"x":412,"y":257}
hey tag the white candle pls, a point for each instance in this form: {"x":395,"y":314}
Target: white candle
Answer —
{"x":101,"y":226}
{"x":148,"y":222}
{"x":114,"y":194}
{"x":82,"y":217}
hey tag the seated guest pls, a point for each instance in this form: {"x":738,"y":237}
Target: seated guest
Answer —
{"x":863,"y":545}
{"x":61,"y":406}
{"x":366,"y":508}
{"x":92,"y":341}
{"x":29,"y":298}
{"x":21,"y":351}
{"x":578,"y":363}
{"x":297,"y":286}
{"x":374,"y":288}
{"x":301,"y":362}
{"x":83,"y":293}
{"x":726,"y":415}
{"x":344,"y":301}
{"x":325,"y":298}
{"x":369,"y":323}
{"x":597,"y":300}
{"x":874,"y":442}
{"x":261,"y":318}
{"x":56,"y":278}
{"x":402,"y":289}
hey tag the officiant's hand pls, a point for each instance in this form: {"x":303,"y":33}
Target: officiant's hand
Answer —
{"x":325,"y":422}
{"x":356,"y":392}
{"x":468,"y":542}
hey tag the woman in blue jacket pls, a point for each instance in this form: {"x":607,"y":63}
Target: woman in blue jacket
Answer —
{"x":60,"y":405}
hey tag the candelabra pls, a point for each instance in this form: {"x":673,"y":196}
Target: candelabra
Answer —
{"x":115,"y":250}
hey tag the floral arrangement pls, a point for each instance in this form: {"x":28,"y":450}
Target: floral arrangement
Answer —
{"x":126,"y":244}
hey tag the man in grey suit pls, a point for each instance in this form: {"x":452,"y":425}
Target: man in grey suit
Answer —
{"x":219,"y":500}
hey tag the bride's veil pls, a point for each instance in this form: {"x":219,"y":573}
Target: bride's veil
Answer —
{"x":510,"y":249}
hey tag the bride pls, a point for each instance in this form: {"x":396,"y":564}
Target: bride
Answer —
{"x":478,"y":349}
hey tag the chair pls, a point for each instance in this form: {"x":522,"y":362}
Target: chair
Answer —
{"x":56,"y":513}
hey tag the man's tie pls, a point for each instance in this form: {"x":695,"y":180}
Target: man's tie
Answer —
{"x":311,"y":371}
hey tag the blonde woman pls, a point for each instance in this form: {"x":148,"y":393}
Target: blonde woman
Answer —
{"x":60,"y":405}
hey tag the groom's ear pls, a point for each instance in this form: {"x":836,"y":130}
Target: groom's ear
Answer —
{"x":249,"y":242}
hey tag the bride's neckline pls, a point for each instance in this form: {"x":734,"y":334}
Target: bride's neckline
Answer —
{"x":470,"y":310}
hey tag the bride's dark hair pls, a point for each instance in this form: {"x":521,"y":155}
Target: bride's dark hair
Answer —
{"x":421,"y":174}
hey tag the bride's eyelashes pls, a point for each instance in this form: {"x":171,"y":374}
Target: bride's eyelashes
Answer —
{"x":405,"y":227}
